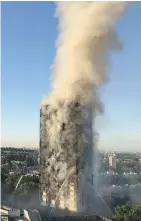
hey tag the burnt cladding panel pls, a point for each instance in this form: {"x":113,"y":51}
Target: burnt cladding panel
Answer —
{"x":85,"y":189}
{"x":43,"y":149}
{"x":56,"y":160}
{"x":72,"y":150}
{"x":88,"y":141}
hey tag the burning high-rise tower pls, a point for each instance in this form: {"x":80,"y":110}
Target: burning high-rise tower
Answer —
{"x":66,"y":165}
{"x":81,"y":64}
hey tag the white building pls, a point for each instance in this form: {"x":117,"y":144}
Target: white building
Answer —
{"x":112,"y":160}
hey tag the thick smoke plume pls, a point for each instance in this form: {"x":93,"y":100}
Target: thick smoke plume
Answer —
{"x":85,"y":41}
{"x":81,"y":66}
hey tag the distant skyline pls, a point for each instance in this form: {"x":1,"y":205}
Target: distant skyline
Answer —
{"x":29,"y":31}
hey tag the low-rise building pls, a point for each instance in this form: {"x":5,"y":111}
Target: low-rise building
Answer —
{"x":8,"y":213}
{"x":4,"y":210}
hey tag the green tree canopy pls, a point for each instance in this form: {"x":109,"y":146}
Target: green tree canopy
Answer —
{"x":27,"y":188}
{"x":12,"y":180}
{"x":4,"y":175}
{"x":28,"y":185}
{"x":128,"y":212}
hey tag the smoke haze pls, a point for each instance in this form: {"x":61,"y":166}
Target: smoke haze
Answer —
{"x":86,"y":38}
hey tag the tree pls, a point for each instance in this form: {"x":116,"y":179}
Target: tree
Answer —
{"x":12,"y":180}
{"x":128,"y":212}
{"x":28,"y":185}
{"x":27,"y":188}
{"x":5,"y":188}
{"x":29,"y":160}
{"x":4,"y":176}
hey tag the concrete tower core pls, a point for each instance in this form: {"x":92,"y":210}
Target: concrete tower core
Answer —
{"x":66,"y":156}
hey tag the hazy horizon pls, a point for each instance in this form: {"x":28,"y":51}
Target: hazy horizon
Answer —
{"x":29,"y":32}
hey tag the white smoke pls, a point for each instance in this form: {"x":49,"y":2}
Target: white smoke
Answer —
{"x":84,"y":44}
{"x":86,"y":38}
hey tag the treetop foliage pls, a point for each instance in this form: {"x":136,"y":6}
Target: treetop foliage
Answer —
{"x":128,"y":212}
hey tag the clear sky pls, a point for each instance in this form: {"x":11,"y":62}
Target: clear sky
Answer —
{"x":29,"y":31}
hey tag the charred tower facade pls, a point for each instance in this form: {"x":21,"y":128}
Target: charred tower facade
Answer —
{"x":66,"y":156}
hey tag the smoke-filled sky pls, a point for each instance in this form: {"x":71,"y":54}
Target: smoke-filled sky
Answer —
{"x":29,"y":31}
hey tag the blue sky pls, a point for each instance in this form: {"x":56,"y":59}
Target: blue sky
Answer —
{"x":29,"y":31}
